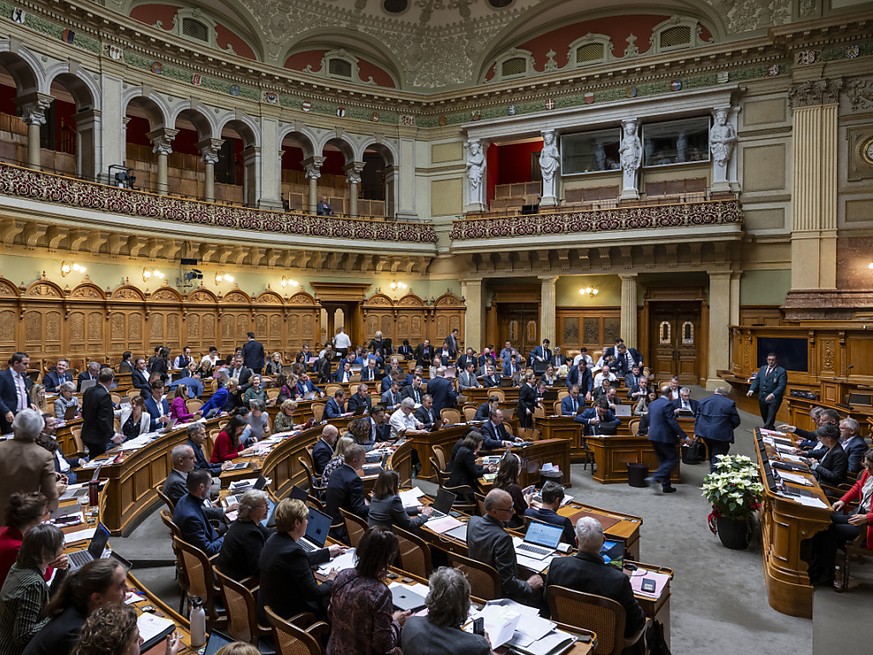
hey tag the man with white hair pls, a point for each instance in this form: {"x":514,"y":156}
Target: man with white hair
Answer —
{"x":717,"y":418}
{"x":403,"y":422}
{"x":24,"y":465}
{"x":586,"y":572}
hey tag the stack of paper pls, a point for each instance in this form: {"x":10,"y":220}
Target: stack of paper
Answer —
{"x":344,"y":561}
{"x":411,"y":497}
{"x":661,"y":580}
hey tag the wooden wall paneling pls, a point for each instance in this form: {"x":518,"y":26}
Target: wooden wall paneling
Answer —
{"x":127,"y":311}
{"x":164,"y":318}
{"x":413,"y":309}
{"x":303,"y":322}
{"x":43,"y":321}
{"x":760,"y":315}
{"x":9,"y":316}
{"x":200,"y":320}
{"x":269,"y":321}
{"x":592,"y":328}
{"x":378,"y":314}
{"x":235,"y":319}
{"x":90,"y":316}
{"x":448,"y":313}
{"x":858,"y":355}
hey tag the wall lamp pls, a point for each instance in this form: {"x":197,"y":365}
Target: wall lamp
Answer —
{"x":149,"y":273}
{"x":395,"y":286}
{"x":67,"y":268}
{"x":223,"y":277}
{"x":589,"y":291}
{"x":288,"y":282}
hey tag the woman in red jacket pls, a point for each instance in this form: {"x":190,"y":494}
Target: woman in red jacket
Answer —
{"x":228,"y":444}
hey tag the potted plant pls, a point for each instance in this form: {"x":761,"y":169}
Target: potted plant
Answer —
{"x":735,"y":491}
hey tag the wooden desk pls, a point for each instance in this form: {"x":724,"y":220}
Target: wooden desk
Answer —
{"x":563,"y":427}
{"x":785,"y":525}
{"x":613,"y":453}
{"x":616,"y":525}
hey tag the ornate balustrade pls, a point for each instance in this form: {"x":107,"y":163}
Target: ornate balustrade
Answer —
{"x":57,"y":189}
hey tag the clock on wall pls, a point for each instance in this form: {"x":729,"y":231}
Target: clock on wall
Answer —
{"x":867,"y":151}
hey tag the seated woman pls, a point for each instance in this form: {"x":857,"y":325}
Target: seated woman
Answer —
{"x":284,"y":421}
{"x":507,"y":479}
{"x":179,"y":408}
{"x":464,"y":470}
{"x":23,"y":512}
{"x":643,"y":428}
{"x":65,"y":399}
{"x":343,"y":444}
{"x":288,"y":586}
{"x":244,"y":540}
{"x":386,"y":508}
{"x":274,"y":366}
{"x":258,"y":420}
{"x":98,"y":583}
{"x":228,"y":444}
{"x":112,"y":630}
{"x":361,"y":616}
{"x":25,"y":592}
{"x":37,"y":398}
{"x":448,"y":606}
{"x":549,"y":376}
{"x":552,"y":496}
{"x":134,"y":420}
{"x":832,"y":466}
{"x":255,"y":392}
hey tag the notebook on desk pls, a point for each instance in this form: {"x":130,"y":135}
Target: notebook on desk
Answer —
{"x":406,"y":600}
{"x":71,"y":412}
{"x":622,"y":410}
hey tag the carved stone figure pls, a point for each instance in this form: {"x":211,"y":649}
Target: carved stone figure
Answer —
{"x":631,"y":154}
{"x":549,"y":165}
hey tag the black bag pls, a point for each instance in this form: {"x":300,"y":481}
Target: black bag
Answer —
{"x":695,"y":453}
{"x":655,"y":640}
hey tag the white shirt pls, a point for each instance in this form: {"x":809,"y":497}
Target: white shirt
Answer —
{"x":598,"y":379}
{"x":342,"y":340}
{"x":63,"y":464}
{"x":586,"y":358}
{"x":21,"y":390}
{"x":400,"y":421}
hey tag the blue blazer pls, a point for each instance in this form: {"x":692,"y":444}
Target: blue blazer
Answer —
{"x":775,"y":384}
{"x":152,"y":408}
{"x":9,"y":397}
{"x":332,"y":409}
{"x":442,"y":393}
{"x":195,"y":528}
{"x":717,"y":417}
{"x":52,"y":380}
{"x":591,"y":412}
{"x":494,"y":436}
{"x":321,"y":455}
{"x":567,"y":405}
{"x":663,"y":426}
{"x":580,"y":377}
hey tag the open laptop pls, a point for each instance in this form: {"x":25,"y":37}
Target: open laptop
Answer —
{"x":170,"y":424}
{"x":87,"y":384}
{"x":443,"y":504}
{"x":377,"y":467}
{"x":406,"y":600}
{"x":622,"y":410}
{"x":540,"y":540}
{"x":71,"y":412}
{"x":316,"y":531}
{"x":79,"y":558}
{"x":232,"y":499}
{"x":217,"y":641}
{"x":550,"y":394}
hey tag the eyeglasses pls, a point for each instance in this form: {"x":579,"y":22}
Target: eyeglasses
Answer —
{"x":510,"y":509}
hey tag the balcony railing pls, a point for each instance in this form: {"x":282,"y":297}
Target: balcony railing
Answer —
{"x":57,"y":189}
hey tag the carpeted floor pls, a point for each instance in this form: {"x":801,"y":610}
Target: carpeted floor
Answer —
{"x":719,"y":602}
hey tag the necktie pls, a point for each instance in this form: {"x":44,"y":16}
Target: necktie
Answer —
{"x":575,"y":407}
{"x":416,"y":397}
{"x":22,"y":391}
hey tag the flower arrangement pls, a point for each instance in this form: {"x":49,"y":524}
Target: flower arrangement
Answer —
{"x":734,"y":488}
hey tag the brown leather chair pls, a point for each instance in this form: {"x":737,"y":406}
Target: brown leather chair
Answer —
{"x":355,"y":527}
{"x":414,"y":553}
{"x":201,"y":580}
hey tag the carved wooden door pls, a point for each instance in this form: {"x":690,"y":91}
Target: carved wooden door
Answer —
{"x":674,"y":341}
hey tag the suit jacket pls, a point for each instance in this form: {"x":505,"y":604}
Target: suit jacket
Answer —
{"x":494,"y":435}
{"x":244,"y":375}
{"x":467,"y":381}
{"x":152,"y":408}
{"x":332,"y":409}
{"x":581,"y":377}
{"x":59,"y":636}
{"x":507,"y":369}
{"x":338,"y":375}
{"x":241,"y":551}
{"x":287,"y":583}
{"x":694,"y":404}
{"x":145,"y":421}
{"x":663,"y":426}
{"x":200,"y":461}
{"x":9,"y":397}
{"x":443,"y":394}
{"x":140,"y":380}
{"x":322,"y":369}
{"x":489,"y":543}
{"x":253,"y":355}
{"x":345,"y":490}
{"x":426,"y":417}
{"x":175,"y":486}
{"x":855,"y":449}
{"x":585,"y":418}
{"x":423,"y":356}
{"x":775,"y":383}
{"x":587,"y":573}
{"x":833,"y":466}
{"x":52,"y":380}
{"x":389,"y":399}
{"x":424,"y":637}
{"x":83,"y":376}
{"x":355,"y":401}
{"x":321,"y":455}
{"x":542,"y":353}
{"x":98,"y":419}
{"x":190,"y":516}
{"x":411,"y":392}
{"x":27,"y":467}
{"x":527,"y":399}
{"x":717,"y":418}
{"x":567,"y":408}
{"x":368,"y":374}
{"x":490,"y":381}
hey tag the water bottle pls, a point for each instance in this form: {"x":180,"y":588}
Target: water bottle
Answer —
{"x":197,"y":620}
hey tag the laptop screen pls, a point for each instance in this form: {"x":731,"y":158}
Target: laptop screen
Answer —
{"x":217,"y":640}
{"x":544,"y":534}
{"x":99,"y":541}
{"x":444,"y":501}
{"x":318,"y":527}
{"x":298,"y":494}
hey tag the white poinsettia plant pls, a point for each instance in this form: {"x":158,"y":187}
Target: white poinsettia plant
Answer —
{"x":735,"y":488}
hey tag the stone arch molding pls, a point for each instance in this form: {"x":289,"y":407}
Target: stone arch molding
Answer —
{"x":230,"y":116}
{"x":38,"y":81}
{"x":308,"y":134}
{"x":163,"y":106}
{"x":206,"y":113}
{"x":81,"y":74}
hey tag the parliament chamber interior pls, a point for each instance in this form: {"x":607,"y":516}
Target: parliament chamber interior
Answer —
{"x":242,"y":241}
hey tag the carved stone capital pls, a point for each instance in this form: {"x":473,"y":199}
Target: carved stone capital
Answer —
{"x":354,"y":170}
{"x":162,"y":140}
{"x":814,"y":92}
{"x":32,"y":106}
{"x":312,"y":166}
{"x":209,"y":149}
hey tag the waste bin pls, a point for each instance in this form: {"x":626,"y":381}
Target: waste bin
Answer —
{"x":637,"y":472}
{"x":550,"y":476}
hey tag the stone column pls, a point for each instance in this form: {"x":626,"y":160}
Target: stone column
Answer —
{"x":474,"y":190}
{"x":252,"y":181}
{"x":815,"y":105}
{"x":112,"y":142}
{"x":353,"y":175}
{"x":631,"y":155}
{"x":735,"y":298}
{"x":88,"y":147}
{"x":629,"y":310}
{"x":209,"y":149}
{"x":312,"y":166}
{"x":720,"y":283}
{"x":474,"y":318}
{"x":405,"y":180}
{"x":548,"y":302}
{"x":550,"y":167}
{"x":390,"y":176}
{"x":267,"y":175}
{"x":162,"y":140}
{"x":31,"y":108}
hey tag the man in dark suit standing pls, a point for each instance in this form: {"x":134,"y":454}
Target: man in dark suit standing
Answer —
{"x":442,"y":391}
{"x":664,"y":433}
{"x":452,"y":342}
{"x":98,"y":416}
{"x":580,"y":376}
{"x":716,"y":420}
{"x":424,"y":354}
{"x":586,"y":572}
{"x":345,"y":490}
{"x":541,"y":356}
{"x":14,"y":388}
{"x":527,"y":402}
{"x":190,"y":514}
{"x":770,"y":385}
{"x":253,"y":355}
{"x":54,"y":379}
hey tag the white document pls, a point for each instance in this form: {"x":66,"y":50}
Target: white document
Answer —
{"x":344,"y":561}
{"x":151,"y":626}
{"x":444,"y":524}
{"x":811,"y":502}
{"x":538,"y":565}
{"x":411,"y":497}
{"x":795,"y":459}
{"x":500,"y":623}
{"x":78,"y":535}
{"x":796,"y":478}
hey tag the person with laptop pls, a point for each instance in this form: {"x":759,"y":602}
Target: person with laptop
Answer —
{"x":288,"y":586}
{"x":360,"y":401}
{"x":599,"y":419}
{"x":552,"y":495}
{"x":494,"y":432}
{"x":190,"y":514}
{"x":157,"y":407}
{"x":336,"y":406}
{"x":134,"y":421}
{"x":176,"y":485}
{"x":489,"y":543}
{"x":245,"y":538}
{"x":345,"y":490}
{"x":66,"y":401}
{"x":403,"y":422}
{"x":586,"y":572}
{"x":386,"y":507}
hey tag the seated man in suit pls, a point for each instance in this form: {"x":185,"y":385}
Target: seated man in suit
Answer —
{"x":361,"y":398}
{"x":391,"y":398}
{"x":467,"y":379}
{"x":157,"y":407}
{"x":601,"y":390}
{"x":89,"y":373}
{"x":572,"y":404}
{"x":54,"y":379}
{"x":558,"y":359}
{"x":641,"y":390}
{"x":468,"y":355}
{"x":599,"y":419}
{"x":175,"y":486}
{"x":336,"y":406}
{"x":511,"y":367}
{"x":490,"y":379}
{"x":370,"y":373}
{"x":552,"y":496}
{"x":685,"y":405}
{"x":632,"y":378}
{"x":579,"y":375}
{"x":140,"y":376}
{"x":190,"y":514}
{"x":345,"y":490}
{"x":322,"y":451}
{"x":380,"y":430}
{"x":196,"y":433}
{"x":488,"y":542}
{"x":305,"y":386}
{"x":587,"y":573}
{"x":483,"y":412}
{"x":853,"y":443}
{"x":323,"y":208}
{"x":414,"y":390}
{"x":494,"y":432}
{"x":391,"y":373}
{"x":425,"y":414}
{"x":343,"y":374}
